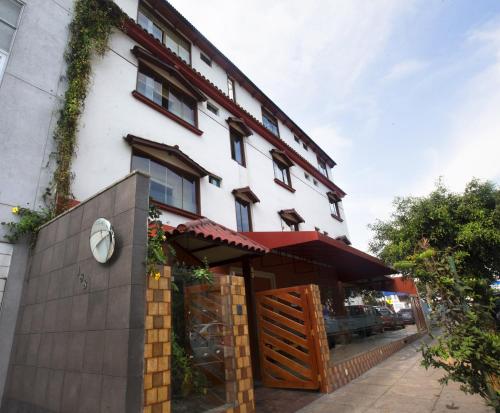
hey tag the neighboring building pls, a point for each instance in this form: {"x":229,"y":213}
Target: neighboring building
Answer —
{"x":33,"y":37}
{"x":214,"y":144}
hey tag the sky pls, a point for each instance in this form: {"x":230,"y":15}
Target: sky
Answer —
{"x":398,"y":92}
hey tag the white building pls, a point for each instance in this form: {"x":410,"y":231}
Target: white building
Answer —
{"x":165,"y":100}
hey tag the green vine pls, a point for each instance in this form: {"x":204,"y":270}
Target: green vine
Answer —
{"x":156,"y":239}
{"x":89,"y":34}
{"x":28,"y":223}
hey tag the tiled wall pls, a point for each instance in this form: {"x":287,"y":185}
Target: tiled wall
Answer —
{"x":80,"y":333}
{"x":157,"y":350}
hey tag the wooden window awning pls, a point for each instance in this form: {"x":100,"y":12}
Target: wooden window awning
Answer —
{"x":335,"y":196}
{"x":282,"y":157}
{"x":245,"y":194}
{"x":171,"y":155}
{"x":239,"y":125}
{"x":290,"y":216}
{"x":174,"y":75}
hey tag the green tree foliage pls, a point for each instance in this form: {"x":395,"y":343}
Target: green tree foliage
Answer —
{"x":450,"y":244}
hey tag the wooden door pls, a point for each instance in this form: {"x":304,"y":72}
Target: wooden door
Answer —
{"x":287,"y":347}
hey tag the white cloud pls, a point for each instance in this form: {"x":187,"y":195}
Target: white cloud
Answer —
{"x":473,"y":139}
{"x":406,"y":68}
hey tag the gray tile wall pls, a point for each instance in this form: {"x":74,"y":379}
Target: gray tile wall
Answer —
{"x":79,"y":343}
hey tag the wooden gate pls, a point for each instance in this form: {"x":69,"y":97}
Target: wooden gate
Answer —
{"x":287,"y":347}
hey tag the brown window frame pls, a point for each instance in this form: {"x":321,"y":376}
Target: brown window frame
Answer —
{"x":282,"y":167}
{"x":335,"y":209}
{"x":231,"y":81}
{"x":323,"y":168}
{"x":233,"y":135}
{"x":178,"y":171}
{"x":266,"y":113}
{"x":248,"y":205}
{"x":186,"y":99}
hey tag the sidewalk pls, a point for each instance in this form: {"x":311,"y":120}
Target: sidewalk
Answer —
{"x":398,"y":385}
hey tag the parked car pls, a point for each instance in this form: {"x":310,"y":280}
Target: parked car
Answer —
{"x":407,"y":315}
{"x":362,"y":320}
{"x":390,"y":318}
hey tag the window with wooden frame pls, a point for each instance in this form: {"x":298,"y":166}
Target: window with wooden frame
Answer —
{"x":161,"y":30}
{"x":243,"y":215}
{"x":10,"y":12}
{"x":334,"y":200}
{"x":322,"y":167}
{"x":231,"y":88}
{"x":291,"y":219}
{"x":270,"y":122}
{"x":237,"y":147}
{"x":169,"y":185}
{"x":163,"y":93}
{"x":281,"y":166}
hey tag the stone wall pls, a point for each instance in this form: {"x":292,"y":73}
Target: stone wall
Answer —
{"x":79,"y":340}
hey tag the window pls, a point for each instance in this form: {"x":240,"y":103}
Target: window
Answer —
{"x":292,"y":226}
{"x":206,"y":59}
{"x":270,"y":122}
{"x":173,"y":40}
{"x":147,"y":23}
{"x":282,"y":172}
{"x":212,"y":108}
{"x":322,"y":167}
{"x":152,"y":86}
{"x":306,"y":175}
{"x":291,"y":219}
{"x":304,"y":146}
{"x":237,"y":149}
{"x":9,"y":19}
{"x":243,"y":218}
{"x":334,"y":207}
{"x":231,"y":88}
{"x":315,"y":182}
{"x":169,"y":186}
{"x":296,"y":139}
{"x":214,"y":181}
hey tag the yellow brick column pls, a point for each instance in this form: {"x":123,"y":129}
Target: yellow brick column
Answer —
{"x":320,"y":339}
{"x":157,"y":348}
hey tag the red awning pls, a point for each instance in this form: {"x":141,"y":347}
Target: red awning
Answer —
{"x":207,"y":240}
{"x":351,"y":264}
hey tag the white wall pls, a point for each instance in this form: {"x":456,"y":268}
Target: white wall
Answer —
{"x":111,"y":112}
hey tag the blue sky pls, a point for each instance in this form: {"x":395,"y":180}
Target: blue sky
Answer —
{"x":399,"y":92}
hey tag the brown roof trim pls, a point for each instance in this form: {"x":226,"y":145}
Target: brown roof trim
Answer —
{"x":246,"y":192}
{"x":137,"y":33}
{"x":173,"y":150}
{"x":240,"y":124}
{"x":187,"y":29}
{"x":144,"y":54}
{"x":291,"y":216}
{"x":282,"y":157}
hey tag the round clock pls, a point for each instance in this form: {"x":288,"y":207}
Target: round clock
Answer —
{"x":102,"y":240}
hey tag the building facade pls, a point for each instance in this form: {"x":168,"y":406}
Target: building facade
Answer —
{"x":33,"y":37}
{"x":164,"y":100}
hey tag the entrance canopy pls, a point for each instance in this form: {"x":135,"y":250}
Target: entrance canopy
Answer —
{"x":352,"y":265}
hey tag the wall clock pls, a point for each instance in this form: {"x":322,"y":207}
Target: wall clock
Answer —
{"x":102,"y":240}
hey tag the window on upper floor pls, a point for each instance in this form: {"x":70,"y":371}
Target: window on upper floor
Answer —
{"x":237,"y":147}
{"x":160,"y":91}
{"x":231,"y":88}
{"x":10,"y":10}
{"x":322,"y":167}
{"x":334,"y":201}
{"x":305,"y":146}
{"x":169,"y":185}
{"x":212,"y":108}
{"x":206,"y":59}
{"x":243,"y":215}
{"x":296,"y":139}
{"x":214,"y":180}
{"x":290,"y":219}
{"x":282,"y":172}
{"x":270,"y":122}
{"x":164,"y":33}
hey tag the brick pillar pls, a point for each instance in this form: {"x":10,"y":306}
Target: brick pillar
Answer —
{"x":320,"y":339}
{"x":157,"y":348}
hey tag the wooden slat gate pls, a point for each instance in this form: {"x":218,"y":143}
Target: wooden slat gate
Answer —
{"x":287,"y":347}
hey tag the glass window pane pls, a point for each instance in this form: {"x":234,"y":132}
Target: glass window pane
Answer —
{"x":184,"y":54}
{"x":189,"y":195}
{"x":158,"y":172}
{"x":6,"y":34}
{"x":245,"y":223}
{"x":174,"y":184}
{"x":9,"y":11}
{"x":150,"y":26}
{"x":158,"y":192}
{"x":174,"y":103}
{"x":187,"y":113}
{"x":140,"y":164}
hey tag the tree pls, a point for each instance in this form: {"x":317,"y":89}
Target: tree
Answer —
{"x":449,"y":244}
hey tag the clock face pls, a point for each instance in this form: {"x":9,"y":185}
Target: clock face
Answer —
{"x":102,"y":240}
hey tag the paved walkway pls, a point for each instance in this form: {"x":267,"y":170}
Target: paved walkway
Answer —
{"x":398,"y":385}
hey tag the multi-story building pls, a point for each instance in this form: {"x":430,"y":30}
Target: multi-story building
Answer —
{"x":33,"y":37}
{"x":166,"y":101}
